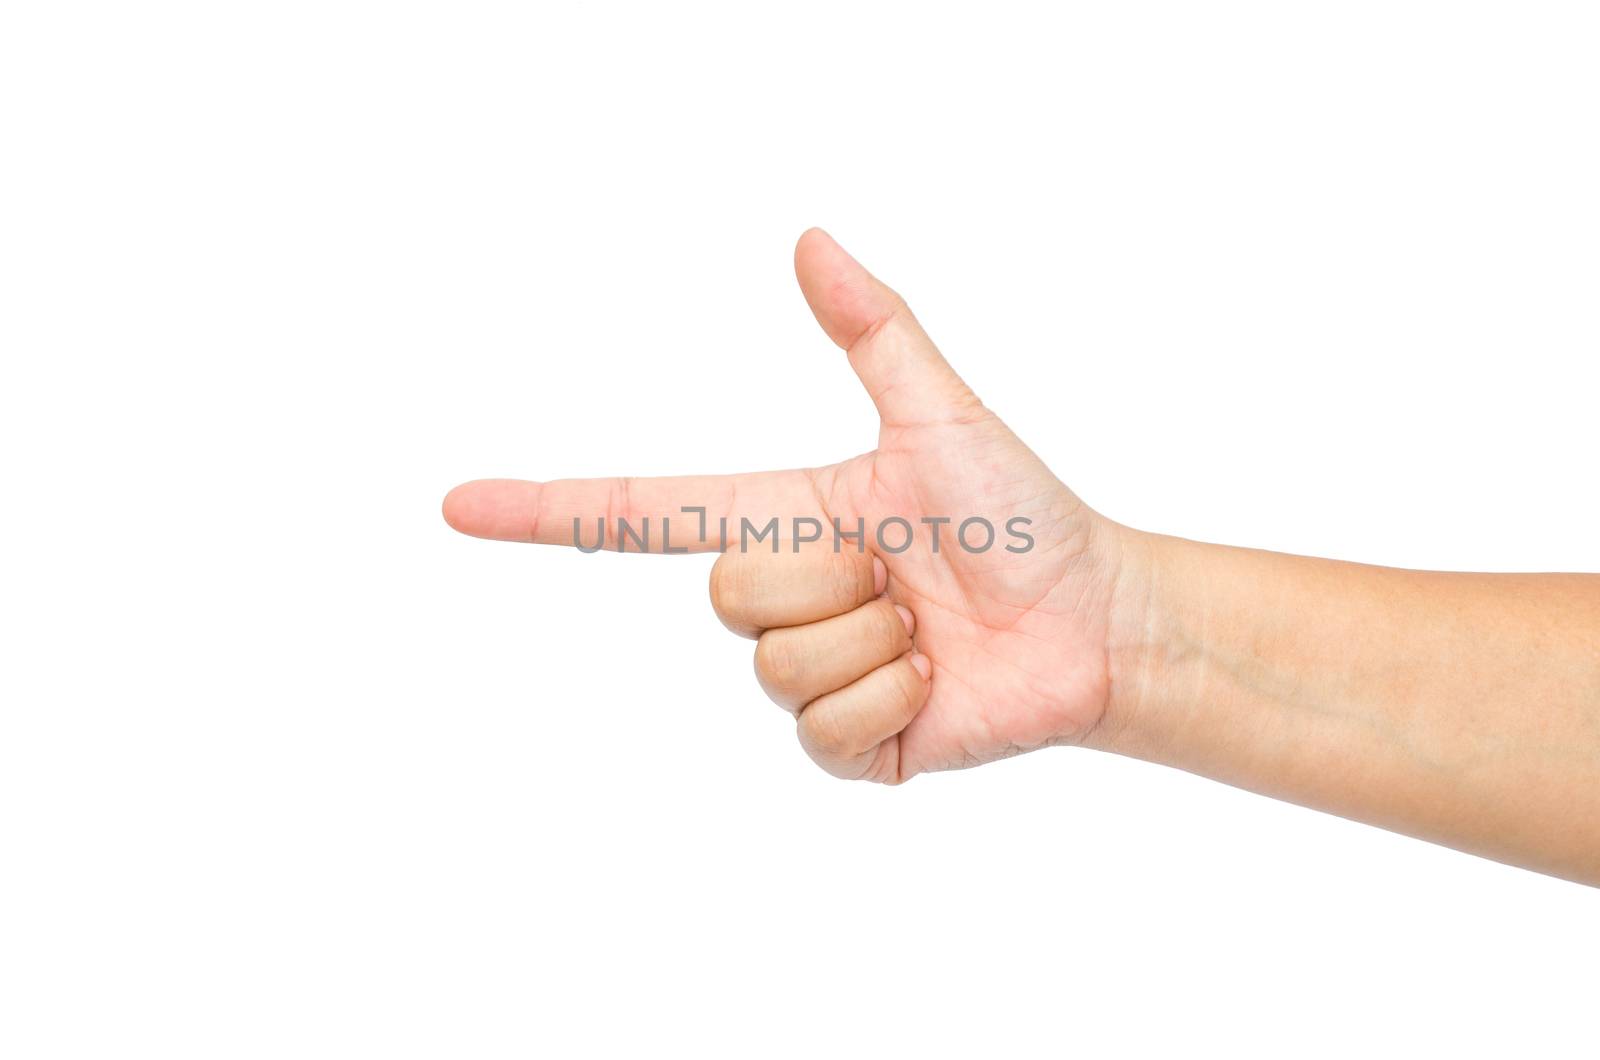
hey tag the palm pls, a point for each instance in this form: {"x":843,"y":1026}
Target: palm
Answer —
{"x":1017,"y":640}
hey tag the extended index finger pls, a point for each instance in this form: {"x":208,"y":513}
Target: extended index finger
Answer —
{"x":544,"y":512}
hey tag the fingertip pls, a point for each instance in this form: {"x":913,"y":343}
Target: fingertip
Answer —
{"x":810,"y":253}
{"x":817,"y":252}
{"x":810,"y":236}
{"x":454,"y":507}
{"x":880,"y":576}
{"x":497,"y":509}
{"x":845,"y":298}
{"x":908,"y":618}
{"x":922,"y":664}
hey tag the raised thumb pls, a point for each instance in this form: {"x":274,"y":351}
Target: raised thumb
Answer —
{"x":908,"y":379}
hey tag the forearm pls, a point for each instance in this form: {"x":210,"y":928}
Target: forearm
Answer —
{"x":1461,"y":708}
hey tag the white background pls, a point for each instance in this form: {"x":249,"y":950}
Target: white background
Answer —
{"x":289,"y":769}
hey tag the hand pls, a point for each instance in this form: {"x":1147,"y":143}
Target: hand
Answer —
{"x":895,"y":663}
{"x":1457,"y":707}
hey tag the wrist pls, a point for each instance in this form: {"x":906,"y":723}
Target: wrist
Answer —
{"x":1150,"y":648}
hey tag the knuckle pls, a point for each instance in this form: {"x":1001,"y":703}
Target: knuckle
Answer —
{"x":824,"y":736}
{"x":719,"y":585}
{"x":731,"y":595}
{"x":779,"y":664}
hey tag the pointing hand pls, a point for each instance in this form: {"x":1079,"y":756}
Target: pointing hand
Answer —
{"x":969,"y":643}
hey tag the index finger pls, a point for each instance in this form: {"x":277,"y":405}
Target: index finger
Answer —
{"x":681,"y":513}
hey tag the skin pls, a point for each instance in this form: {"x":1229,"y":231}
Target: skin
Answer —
{"x":1461,"y":708}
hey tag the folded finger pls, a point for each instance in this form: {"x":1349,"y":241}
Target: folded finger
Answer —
{"x":760,"y":590}
{"x":796,"y":664}
{"x":843,"y":730}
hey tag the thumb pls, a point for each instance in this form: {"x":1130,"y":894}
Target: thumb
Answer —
{"x":909,"y":380}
